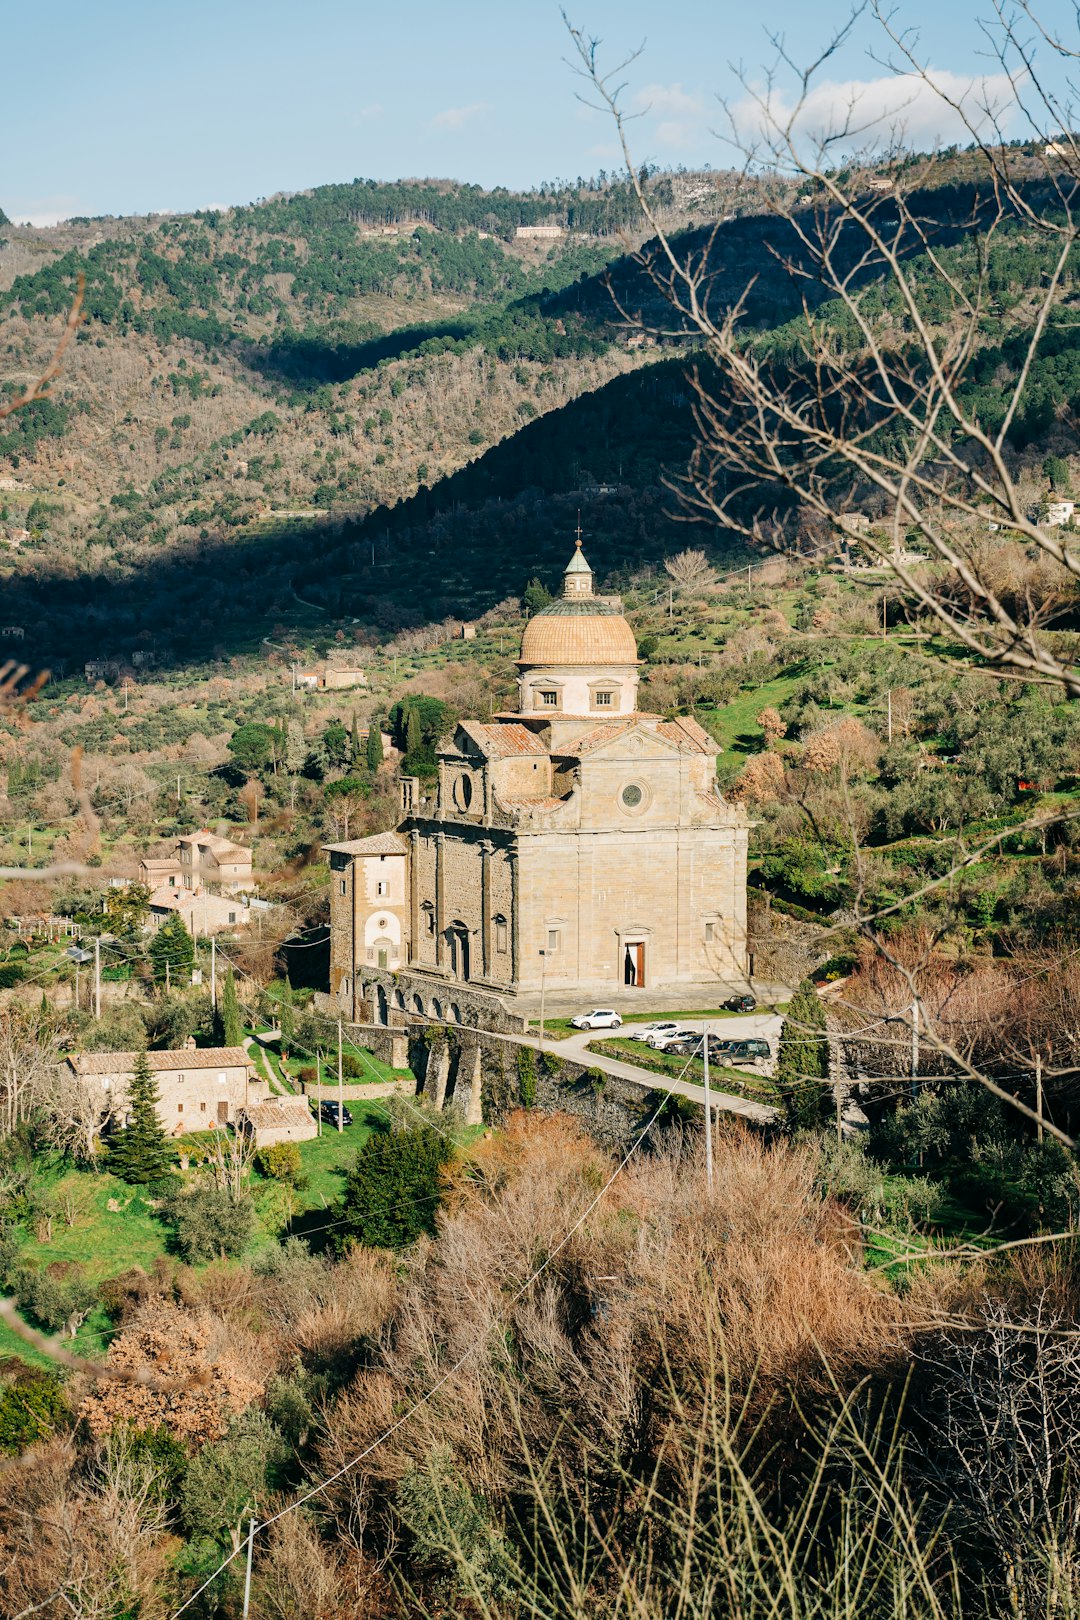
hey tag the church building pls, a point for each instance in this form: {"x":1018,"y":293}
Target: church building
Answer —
{"x":575,"y":844}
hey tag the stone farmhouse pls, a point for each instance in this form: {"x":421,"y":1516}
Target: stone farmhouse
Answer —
{"x":575,"y":846}
{"x":198,"y":1087}
{"x":200,"y":879}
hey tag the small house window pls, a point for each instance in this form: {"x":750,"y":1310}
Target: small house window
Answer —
{"x":500,"y":933}
{"x":202,"y":1108}
{"x":232,"y":916}
{"x":549,"y":700}
{"x":179,"y":1108}
{"x":429,"y":918}
{"x":382,"y":888}
{"x":341,"y":886}
{"x":710,"y":930}
{"x":553,"y":939}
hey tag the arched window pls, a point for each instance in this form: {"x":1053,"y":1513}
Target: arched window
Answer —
{"x":429,"y":916}
{"x":501,"y":933}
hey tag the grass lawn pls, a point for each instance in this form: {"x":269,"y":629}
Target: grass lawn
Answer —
{"x":328,"y":1157}
{"x":105,"y":1240}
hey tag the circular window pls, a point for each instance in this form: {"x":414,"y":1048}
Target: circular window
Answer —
{"x":632,"y":796}
{"x":381,"y":923}
{"x":463,"y":792}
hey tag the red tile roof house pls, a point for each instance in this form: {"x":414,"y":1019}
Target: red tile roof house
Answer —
{"x":198,"y":1087}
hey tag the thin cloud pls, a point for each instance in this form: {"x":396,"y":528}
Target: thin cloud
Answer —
{"x":683,"y":114}
{"x":855,"y":113}
{"x":457,"y":117}
{"x":374,"y":110}
{"x":41,"y":210}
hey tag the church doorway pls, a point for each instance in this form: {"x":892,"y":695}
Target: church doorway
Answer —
{"x":459,"y":952}
{"x":633,"y":967}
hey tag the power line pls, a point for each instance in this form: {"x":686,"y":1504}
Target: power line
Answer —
{"x":430,"y":1394}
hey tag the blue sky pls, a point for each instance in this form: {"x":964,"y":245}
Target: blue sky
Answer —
{"x":129,"y":106}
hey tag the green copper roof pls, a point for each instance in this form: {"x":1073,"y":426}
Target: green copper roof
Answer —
{"x":577,"y":563}
{"x":567,"y":606}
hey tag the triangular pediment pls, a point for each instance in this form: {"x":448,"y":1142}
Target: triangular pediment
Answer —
{"x":625,"y":742}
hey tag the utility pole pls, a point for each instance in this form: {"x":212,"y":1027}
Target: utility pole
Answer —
{"x":708,"y":1112}
{"x":247,"y":1572}
{"x":543,"y":977}
{"x":213,"y":972}
{"x":76,"y":987}
{"x":889,"y":695}
{"x":915,"y":1049}
{"x":178,"y":790}
{"x":340,"y":1082}
{"x":1038,"y":1096}
{"x":884,"y":616}
{"x":97,"y":976}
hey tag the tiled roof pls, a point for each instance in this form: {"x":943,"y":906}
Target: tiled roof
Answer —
{"x":270,"y":1116}
{"x":504,"y":739}
{"x":685,"y":731}
{"x":205,"y":839}
{"x":384,"y":843}
{"x":198,"y":1057}
{"x":602,"y":734}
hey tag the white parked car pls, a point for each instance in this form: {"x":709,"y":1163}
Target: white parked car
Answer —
{"x":645,"y":1032}
{"x":666,"y":1037}
{"x":599,"y":1018}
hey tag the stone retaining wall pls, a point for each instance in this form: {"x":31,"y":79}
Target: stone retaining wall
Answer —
{"x":358,"y":1091}
{"x":489,"y":1077}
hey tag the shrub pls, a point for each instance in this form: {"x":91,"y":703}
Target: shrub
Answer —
{"x":308,"y":1075}
{"x":58,"y":1297}
{"x":31,"y":1409}
{"x":281,"y":1162}
{"x":394,"y":1189}
{"x":351,"y":1066}
{"x":211,"y":1224}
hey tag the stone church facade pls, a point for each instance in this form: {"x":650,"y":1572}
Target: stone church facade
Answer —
{"x":575,"y":844}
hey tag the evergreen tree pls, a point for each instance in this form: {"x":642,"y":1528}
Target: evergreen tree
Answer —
{"x":140,"y":1150}
{"x":802,"y":1066}
{"x":374,"y":753}
{"x":172,"y":949}
{"x":414,"y":733}
{"x":394,"y":1190}
{"x":286,"y":1018}
{"x":536,"y":596}
{"x":232,"y":1026}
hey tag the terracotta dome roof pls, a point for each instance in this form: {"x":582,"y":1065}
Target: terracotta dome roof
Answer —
{"x":582,"y":632}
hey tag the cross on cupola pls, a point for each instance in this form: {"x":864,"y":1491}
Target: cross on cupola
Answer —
{"x":578,"y":580}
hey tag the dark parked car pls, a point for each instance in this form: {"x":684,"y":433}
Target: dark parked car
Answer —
{"x":328,"y":1112}
{"x":740,"y":1004}
{"x":746,"y":1052}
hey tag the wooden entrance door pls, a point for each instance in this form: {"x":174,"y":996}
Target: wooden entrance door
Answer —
{"x":634,"y":964}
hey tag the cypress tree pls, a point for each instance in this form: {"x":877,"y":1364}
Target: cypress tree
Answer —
{"x":172,"y":947}
{"x":232,"y":1027}
{"x":140,"y":1150}
{"x":374,"y":747}
{"x":414,"y":736}
{"x":355,"y":751}
{"x":286,"y":1017}
{"x":802,"y":1066}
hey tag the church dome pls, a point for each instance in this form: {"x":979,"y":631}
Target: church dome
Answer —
{"x":582,"y":631}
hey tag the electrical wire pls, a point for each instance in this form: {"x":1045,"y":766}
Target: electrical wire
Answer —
{"x":429,"y":1395}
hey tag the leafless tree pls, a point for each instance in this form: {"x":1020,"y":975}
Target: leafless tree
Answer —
{"x":691,"y":570}
{"x":27,"y":1063}
{"x":869,"y":406}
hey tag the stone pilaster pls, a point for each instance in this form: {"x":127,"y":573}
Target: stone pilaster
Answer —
{"x":440,"y":899}
{"x":486,"y":849}
{"x":515,"y":912}
{"x":414,"y":896}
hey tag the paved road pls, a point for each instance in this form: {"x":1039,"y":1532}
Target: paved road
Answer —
{"x":578,"y":1048}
